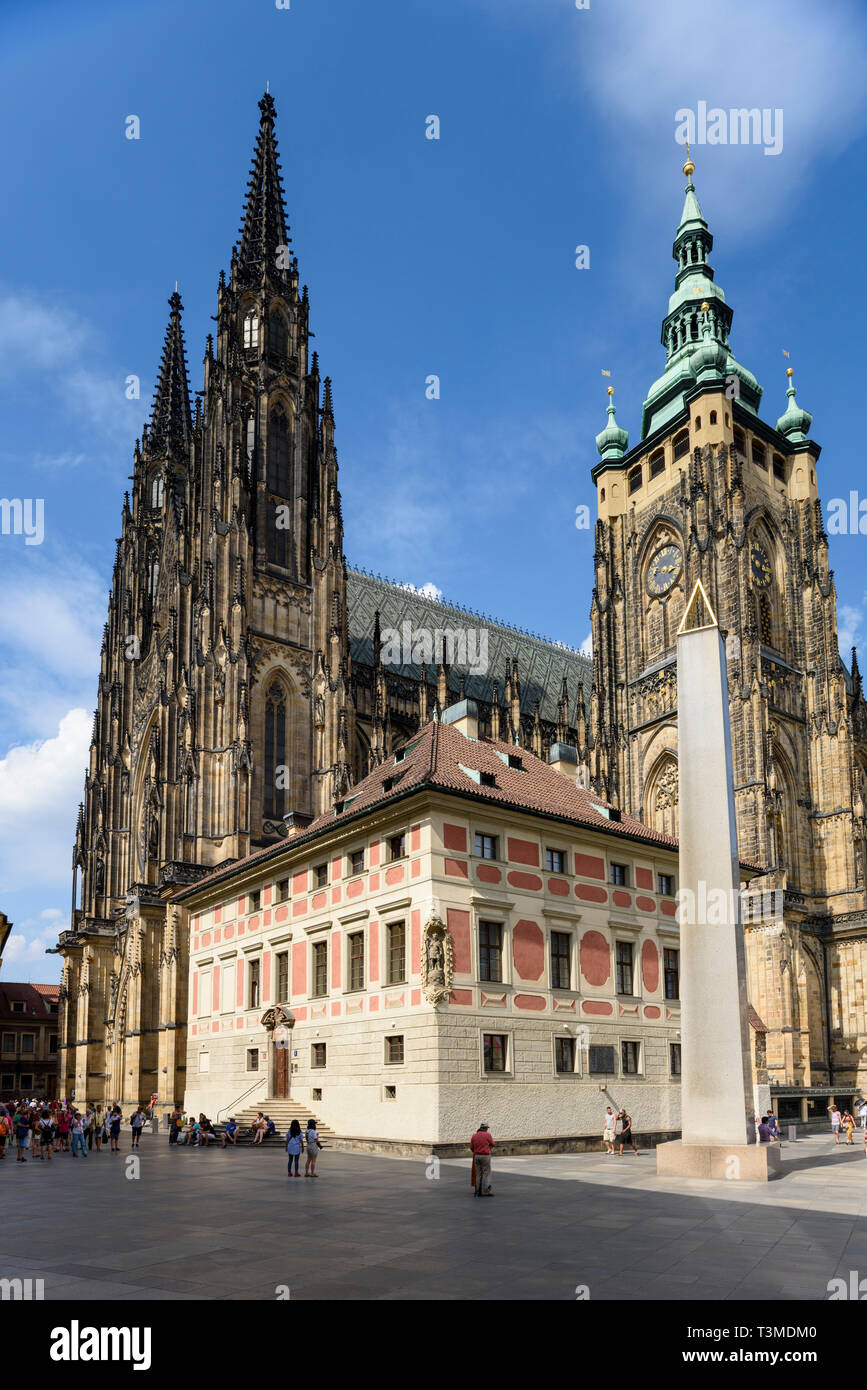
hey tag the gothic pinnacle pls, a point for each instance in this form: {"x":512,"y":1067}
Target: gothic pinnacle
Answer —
{"x":171,"y":421}
{"x":264,"y":232}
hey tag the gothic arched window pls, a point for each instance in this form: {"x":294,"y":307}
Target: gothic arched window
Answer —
{"x":661,"y":796}
{"x":153,"y":576}
{"x":251,"y":329}
{"x":275,"y":752}
{"x":278,"y":453}
{"x":278,"y":334}
{"x":157,"y":490}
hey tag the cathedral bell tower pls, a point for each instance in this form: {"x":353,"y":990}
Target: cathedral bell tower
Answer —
{"x":223,"y":708}
{"x":712,"y":492}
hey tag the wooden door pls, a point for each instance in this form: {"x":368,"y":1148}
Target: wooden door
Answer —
{"x":281,"y":1073}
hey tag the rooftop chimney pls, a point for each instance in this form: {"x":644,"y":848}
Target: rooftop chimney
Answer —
{"x":563,"y":757}
{"x":464,"y":716}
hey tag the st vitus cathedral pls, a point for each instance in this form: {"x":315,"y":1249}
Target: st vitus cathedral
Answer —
{"x":242,"y":686}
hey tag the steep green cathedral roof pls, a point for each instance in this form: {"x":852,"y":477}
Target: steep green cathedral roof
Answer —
{"x":542,"y":664}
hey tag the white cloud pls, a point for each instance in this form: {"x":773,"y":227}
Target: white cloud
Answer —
{"x":639,"y":63}
{"x":428,"y":590}
{"x":27,"y":945}
{"x":46,"y":346}
{"x":41,"y":784}
{"x":849,"y":624}
{"x":586,"y":647}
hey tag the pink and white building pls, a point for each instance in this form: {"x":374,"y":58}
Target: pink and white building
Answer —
{"x":470,"y":935}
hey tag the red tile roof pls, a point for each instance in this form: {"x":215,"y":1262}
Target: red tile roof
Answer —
{"x":36,"y":1001}
{"x":442,"y":758}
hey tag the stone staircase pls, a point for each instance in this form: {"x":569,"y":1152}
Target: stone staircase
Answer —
{"x":282,"y":1112}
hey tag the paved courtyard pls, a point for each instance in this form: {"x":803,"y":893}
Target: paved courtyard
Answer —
{"x":230,"y":1225}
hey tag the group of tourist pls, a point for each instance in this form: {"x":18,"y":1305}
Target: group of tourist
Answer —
{"x":186,"y":1130}
{"x":844,"y":1120}
{"x":43,"y":1128}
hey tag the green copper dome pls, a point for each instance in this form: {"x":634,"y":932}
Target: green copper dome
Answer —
{"x":794,"y":423}
{"x":613,"y":441}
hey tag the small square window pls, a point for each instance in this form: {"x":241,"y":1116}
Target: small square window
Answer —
{"x":495,"y":1051}
{"x":486,"y":847}
{"x":281,"y":890}
{"x":27,"y":1081}
{"x":397,"y":847}
{"x":516,"y":761}
{"x":674,"y":1058}
{"x":391,"y":1093}
{"x":27,"y":1041}
{"x":321,"y":873}
{"x":620,"y":874}
{"x":318,"y":1054}
{"x":555,"y":861}
{"x":317,"y":1093}
{"x":393,"y":1050}
{"x":630,"y":1056}
{"x":665,"y":885}
{"x":254,"y":900}
{"x":356,"y":861}
{"x":252,"y":1059}
{"x":7,"y":1081}
{"x":18,"y":1006}
{"x":487,"y":779}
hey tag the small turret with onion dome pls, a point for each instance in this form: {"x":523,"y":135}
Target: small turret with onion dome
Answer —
{"x":613,"y":441}
{"x":794,"y":423}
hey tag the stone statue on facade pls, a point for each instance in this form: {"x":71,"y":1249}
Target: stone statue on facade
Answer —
{"x":436,"y":957}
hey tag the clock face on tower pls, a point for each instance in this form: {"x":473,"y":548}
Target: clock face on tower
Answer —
{"x":664,"y":570}
{"x":760,"y":567}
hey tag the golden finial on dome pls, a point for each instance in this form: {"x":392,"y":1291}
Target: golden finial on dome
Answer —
{"x":689,"y":167}
{"x":790,"y":371}
{"x":611,"y":390}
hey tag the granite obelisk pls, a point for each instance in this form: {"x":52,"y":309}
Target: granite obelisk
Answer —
{"x":718,"y":1128}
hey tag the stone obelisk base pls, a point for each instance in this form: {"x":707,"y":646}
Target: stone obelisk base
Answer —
{"x":729,"y":1162}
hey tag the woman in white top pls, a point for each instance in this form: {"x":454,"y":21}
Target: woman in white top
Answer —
{"x":836,"y":1120}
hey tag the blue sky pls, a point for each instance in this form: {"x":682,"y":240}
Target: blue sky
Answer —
{"x":453,"y":257}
